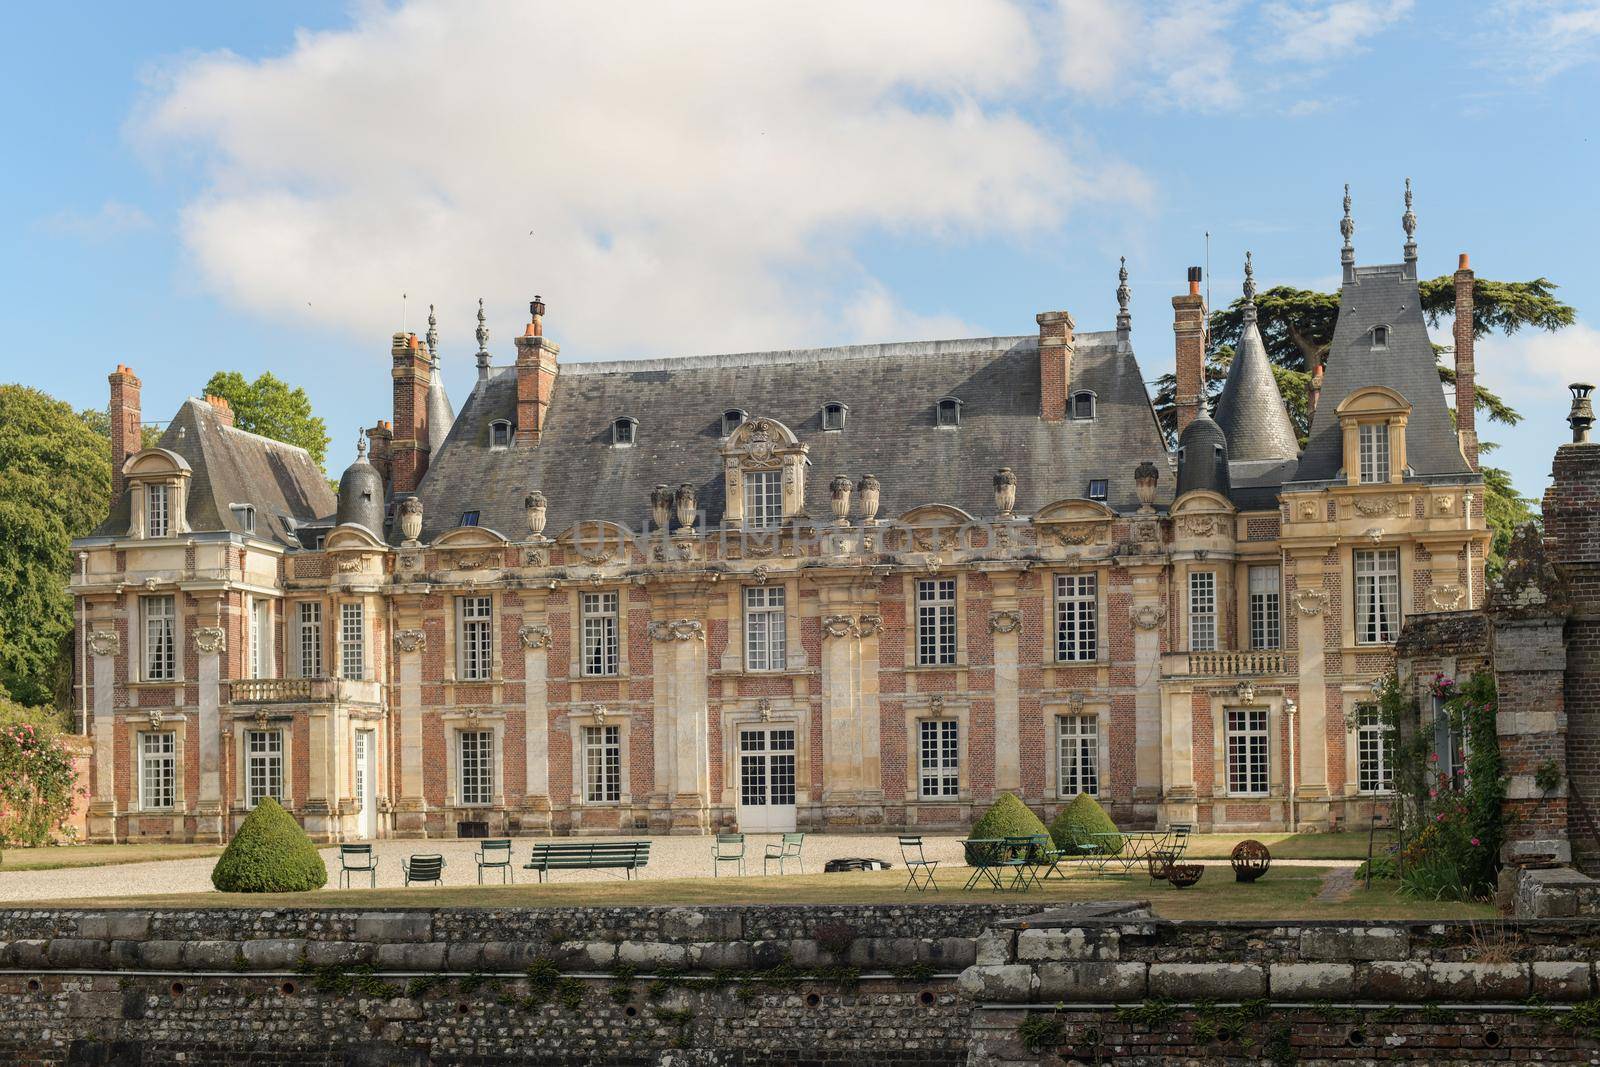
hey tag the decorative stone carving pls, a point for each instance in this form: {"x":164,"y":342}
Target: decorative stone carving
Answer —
{"x":1245,"y":692}
{"x":1308,"y":511}
{"x":1149,"y":616}
{"x":262,"y":718}
{"x":410,"y":561}
{"x":760,"y":574}
{"x":155,"y":719}
{"x":678,"y":630}
{"x":764,"y":709}
{"x":869,"y":624}
{"x":534,"y":635}
{"x":1004,"y":622}
{"x":1310,"y":601}
{"x":760,"y":446}
{"x":596,"y":559}
{"x":868,"y":490}
{"x":1147,"y":531}
{"x":596,"y":579}
{"x":1444,"y":504}
{"x":661,"y":505}
{"x":210,"y":639}
{"x":410,"y":512}
{"x":1198,"y":525}
{"x":536,"y":556}
{"x":1375,"y":535}
{"x":1005,"y":491}
{"x":350,"y":564}
{"x":471,"y":561}
{"x":936,"y":705}
{"x":684,"y":503}
{"x":1145,"y":477}
{"x":1372,"y":506}
{"x":1075,"y":702}
{"x":1080,"y":533}
{"x":1446,"y":597}
{"x":840,"y":626}
{"x":839,"y":499}
{"x":598,"y":714}
{"x":105,"y":642}
{"x":535,"y":508}
{"x":410,"y":640}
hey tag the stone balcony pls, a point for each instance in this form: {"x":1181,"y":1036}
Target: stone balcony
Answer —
{"x":1227,"y":664}
{"x":285,"y":690}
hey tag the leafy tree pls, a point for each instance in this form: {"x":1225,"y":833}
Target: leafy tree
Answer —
{"x":57,"y":486}
{"x":37,"y":783}
{"x":273,"y":408}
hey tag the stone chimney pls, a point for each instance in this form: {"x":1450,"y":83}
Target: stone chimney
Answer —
{"x":408,"y":450}
{"x":380,"y":440}
{"x":1466,"y":372}
{"x":1056,"y":346}
{"x":223,"y":409}
{"x":536,"y":375}
{"x":126,"y":437}
{"x":1189,"y":326}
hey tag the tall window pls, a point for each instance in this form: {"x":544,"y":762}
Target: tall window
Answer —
{"x":1202,"y":611}
{"x":763,"y":499}
{"x":599,"y":615}
{"x":263,"y":772}
{"x":475,"y":632}
{"x":309,"y":642}
{"x":160,"y":637}
{"x":477,"y":766}
{"x":764,"y":628}
{"x":936,"y":621}
{"x":1078,"y":755}
{"x":1264,"y":608}
{"x":260,"y":638}
{"x":1373,"y":438}
{"x":602,"y":764}
{"x":1247,"y":751}
{"x":940,"y":761}
{"x":1077,"y":628}
{"x":1377,"y":595}
{"x":1449,"y":745}
{"x":352,"y":641}
{"x":157,"y":510}
{"x":158,"y":758}
{"x":1374,"y":751}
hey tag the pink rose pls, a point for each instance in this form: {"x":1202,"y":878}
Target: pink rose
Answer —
{"x":1475,"y":842}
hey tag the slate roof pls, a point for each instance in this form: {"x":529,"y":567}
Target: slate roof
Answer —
{"x":891,"y":391}
{"x":1387,"y":296}
{"x":231,"y":466}
{"x":1203,"y":457}
{"x":440,"y":415}
{"x":1251,"y":409}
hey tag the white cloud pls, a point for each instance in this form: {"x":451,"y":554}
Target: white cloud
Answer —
{"x":111,"y":219}
{"x":1532,"y":41}
{"x":1319,"y":31}
{"x":694,"y":176}
{"x":1534,"y":365}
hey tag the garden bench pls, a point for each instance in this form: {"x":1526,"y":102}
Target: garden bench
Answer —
{"x":495,"y":855}
{"x":357,"y":859}
{"x":628,"y":856}
{"x":786,"y":850}
{"x":428,"y":867}
{"x":727,"y":848}
{"x":919,"y":868}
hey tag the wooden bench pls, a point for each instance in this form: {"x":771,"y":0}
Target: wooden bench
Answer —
{"x":588,"y":855}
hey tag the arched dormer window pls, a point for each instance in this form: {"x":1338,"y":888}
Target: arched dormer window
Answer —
{"x":500,"y":434}
{"x":764,"y":470}
{"x":833,"y":416}
{"x":1373,"y":423}
{"x":624,"y":432}
{"x":1083,"y":404}
{"x":948,"y":413}
{"x":732,"y":419}
{"x":1380,"y":338}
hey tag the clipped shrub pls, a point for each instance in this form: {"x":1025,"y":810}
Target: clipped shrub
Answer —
{"x":269,"y":854}
{"x":1081,"y":819}
{"x":1008,"y":817}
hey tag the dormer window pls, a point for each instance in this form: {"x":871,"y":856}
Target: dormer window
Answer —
{"x":1380,"y":337}
{"x":833,"y":416}
{"x":469,"y":518}
{"x":1374,"y":449}
{"x":245,"y":516}
{"x":1372,"y":421}
{"x":1083,"y":405}
{"x":624,"y":431}
{"x":948,"y":414}
{"x":157,"y":510}
{"x":732,"y":419}
{"x":500,"y":434}
{"x":1097,"y":488}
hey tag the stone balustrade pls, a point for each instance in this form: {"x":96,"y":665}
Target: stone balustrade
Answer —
{"x":284,"y":690}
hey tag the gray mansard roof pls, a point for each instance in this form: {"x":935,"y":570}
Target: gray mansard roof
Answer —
{"x":891,"y":391}
{"x":1384,"y":296}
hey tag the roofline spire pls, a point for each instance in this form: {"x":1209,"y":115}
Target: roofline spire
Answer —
{"x":1409,"y":222}
{"x":433,"y":336}
{"x":1347,"y":227}
{"x":1249,"y":290}
{"x":361,"y":447}
{"x":483,"y":342}
{"x":1124,"y":318}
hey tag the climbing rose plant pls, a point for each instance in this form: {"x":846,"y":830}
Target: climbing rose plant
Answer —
{"x":37,"y":783}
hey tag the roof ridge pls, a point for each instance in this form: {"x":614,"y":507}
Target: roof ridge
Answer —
{"x":203,"y":405}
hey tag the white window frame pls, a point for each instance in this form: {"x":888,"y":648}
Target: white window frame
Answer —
{"x":1249,"y":751}
{"x":765,"y":637}
{"x":1077,"y":755}
{"x":1202,"y":611}
{"x":600,"y":623}
{"x":1265,"y":592}
{"x":938,"y":759}
{"x":1374,"y":751}
{"x":602,"y":763}
{"x":1377,"y":605}
{"x":1372,"y":448}
{"x":1077,"y":618}
{"x":763,"y":499}
{"x":263,"y":766}
{"x":158,"y":770}
{"x":160,"y":617}
{"x":475,"y":638}
{"x":157,"y":509}
{"x":308,"y":627}
{"x":353,"y":640}
{"x":475,"y":768}
{"x":937,"y":635}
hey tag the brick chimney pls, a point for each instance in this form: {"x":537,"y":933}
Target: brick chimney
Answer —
{"x":1189,"y":326}
{"x":413,"y":373}
{"x":536,"y":375}
{"x":126,"y":437}
{"x":1056,"y":346}
{"x":1466,"y":371}
{"x":380,"y":442}
{"x":224,"y":410}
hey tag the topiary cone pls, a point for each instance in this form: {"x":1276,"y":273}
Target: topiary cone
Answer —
{"x":1079,"y":821}
{"x":1008,"y":817}
{"x":269,"y":854}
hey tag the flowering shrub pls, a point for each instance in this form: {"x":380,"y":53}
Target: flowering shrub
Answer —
{"x":37,"y":784}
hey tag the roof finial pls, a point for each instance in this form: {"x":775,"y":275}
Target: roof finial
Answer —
{"x":1347,"y":226}
{"x":483,"y":342}
{"x":1249,"y":290}
{"x":1409,"y":221}
{"x":361,"y":447}
{"x":433,"y":335}
{"x":1124,"y":319}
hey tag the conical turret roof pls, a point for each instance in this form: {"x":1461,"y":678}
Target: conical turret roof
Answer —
{"x":1251,"y":410}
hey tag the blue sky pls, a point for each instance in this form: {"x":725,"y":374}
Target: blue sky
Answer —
{"x":198,"y":187}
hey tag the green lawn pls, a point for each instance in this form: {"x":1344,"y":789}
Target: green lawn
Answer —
{"x":58,"y":856}
{"x":1338,"y":846}
{"x":1285,"y":893}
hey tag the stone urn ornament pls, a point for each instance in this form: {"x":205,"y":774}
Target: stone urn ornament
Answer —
{"x":839,"y":489}
{"x":410,"y":520}
{"x":1250,"y":860}
{"x":684,"y":505}
{"x":535,"y":505}
{"x":1145,"y":478}
{"x":1005,"y":491}
{"x":867,"y":490}
{"x":661,"y":506}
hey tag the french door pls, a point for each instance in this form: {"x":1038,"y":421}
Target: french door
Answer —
{"x":766,"y":780}
{"x":367,"y":814}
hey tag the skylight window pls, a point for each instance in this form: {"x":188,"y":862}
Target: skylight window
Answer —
{"x":624,"y":431}
{"x":949,"y":413}
{"x":469,"y":518}
{"x":732,"y":419}
{"x":1097,"y":488}
{"x":833,"y":416}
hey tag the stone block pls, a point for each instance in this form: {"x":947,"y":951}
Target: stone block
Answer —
{"x":131,"y":925}
{"x":1312,"y":981}
{"x":995,"y":948}
{"x":719,"y":956}
{"x":948,"y":953}
{"x":1091,"y":981}
{"x":391,"y":926}
{"x":339,"y":953}
{"x":211,"y":955}
{"x":104,"y":1005}
{"x":161,"y":955}
{"x":428,"y":957}
{"x":882,"y":953}
{"x":29,"y":952}
{"x":464,"y":956}
{"x":1069,"y":943}
{"x":273,"y":953}
{"x":647,"y":955}
{"x":510,"y":955}
{"x":124,"y":954}
{"x":1562,"y":980}
{"x":702,"y":924}
{"x":585,"y":955}
{"x":1208,"y":981}
{"x":78,"y":953}
{"x":1355,"y":943}
{"x":1011,"y":983}
{"x":1478,"y":981}
{"x":1400,"y":980}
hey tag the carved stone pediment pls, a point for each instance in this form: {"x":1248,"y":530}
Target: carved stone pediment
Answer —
{"x":1200,"y":525}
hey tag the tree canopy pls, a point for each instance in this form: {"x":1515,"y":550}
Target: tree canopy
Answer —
{"x":271,"y":407}
{"x":57,"y":486}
